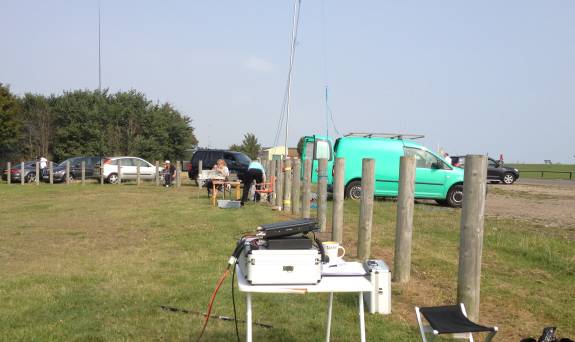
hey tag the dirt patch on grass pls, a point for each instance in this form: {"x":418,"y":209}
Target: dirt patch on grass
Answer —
{"x":548,"y":205}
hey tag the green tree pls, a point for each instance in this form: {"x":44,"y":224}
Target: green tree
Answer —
{"x":249,"y":146}
{"x":10,"y":124}
{"x":300,"y":146}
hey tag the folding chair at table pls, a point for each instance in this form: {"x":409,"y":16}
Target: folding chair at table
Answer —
{"x":266,"y":187}
{"x":450,"y":319}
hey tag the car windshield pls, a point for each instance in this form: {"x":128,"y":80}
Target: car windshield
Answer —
{"x":242,"y":158}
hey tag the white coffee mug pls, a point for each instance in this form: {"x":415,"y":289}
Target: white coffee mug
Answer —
{"x":332,"y":249}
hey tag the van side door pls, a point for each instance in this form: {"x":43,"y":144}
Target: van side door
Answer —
{"x":430,"y":173}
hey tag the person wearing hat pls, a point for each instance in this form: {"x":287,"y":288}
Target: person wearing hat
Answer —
{"x":169,"y":172}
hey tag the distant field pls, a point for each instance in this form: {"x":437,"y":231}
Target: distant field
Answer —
{"x":550,"y":171}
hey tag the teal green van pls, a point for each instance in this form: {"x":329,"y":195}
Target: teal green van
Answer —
{"x":434,"y":178}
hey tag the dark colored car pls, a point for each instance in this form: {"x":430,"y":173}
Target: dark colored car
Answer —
{"x":237,"y":162}
{"x":75,"y":169}
{"x":16,"y":170}
{"x":496,"y":171}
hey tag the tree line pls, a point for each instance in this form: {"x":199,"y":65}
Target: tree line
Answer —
{"x":91,"y":122}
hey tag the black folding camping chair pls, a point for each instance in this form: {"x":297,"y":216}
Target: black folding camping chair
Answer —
{"x":450,"y":319}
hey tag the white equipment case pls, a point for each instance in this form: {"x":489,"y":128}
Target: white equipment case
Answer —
{"x":379,"y":299}
{"x":280,"y":266}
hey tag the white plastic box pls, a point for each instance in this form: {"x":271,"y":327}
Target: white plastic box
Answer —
{"x":287,"y":267}
{"x":379,"y":299}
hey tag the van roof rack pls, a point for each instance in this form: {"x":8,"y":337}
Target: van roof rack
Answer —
{"x":399,"y":136}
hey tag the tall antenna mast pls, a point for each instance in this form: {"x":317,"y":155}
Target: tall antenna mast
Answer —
{"x":99,"y":51}
{"x":292,"y":53}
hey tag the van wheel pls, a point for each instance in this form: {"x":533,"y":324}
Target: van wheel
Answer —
{"x":353,"y":190}
{"x":455,"y":196}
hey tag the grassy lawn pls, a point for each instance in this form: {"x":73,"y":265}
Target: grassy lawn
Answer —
{"x":529,"y":170}
{"x":97,"y":262}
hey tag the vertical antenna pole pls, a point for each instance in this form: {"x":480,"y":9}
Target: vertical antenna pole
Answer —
{"x":99,"y":51}
{"x":292,"y":53}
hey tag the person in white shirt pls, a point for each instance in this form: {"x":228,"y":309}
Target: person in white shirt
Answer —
{"x":447,"y":158}
{"x":43,"y":165}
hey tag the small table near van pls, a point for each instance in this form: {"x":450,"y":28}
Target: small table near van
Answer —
{"x":224,"y":183}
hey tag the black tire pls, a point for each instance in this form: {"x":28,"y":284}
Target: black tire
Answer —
{"x":455,"y":196}
{"x":508,"y":178}
{"x":30,"y":178}
{"x":353,"y":190}
{"x":112,"y":178}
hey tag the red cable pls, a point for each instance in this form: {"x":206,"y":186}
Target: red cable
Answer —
{"x":220,"y":281}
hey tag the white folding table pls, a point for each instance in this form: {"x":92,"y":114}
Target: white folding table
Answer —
{"x":329,"y":284}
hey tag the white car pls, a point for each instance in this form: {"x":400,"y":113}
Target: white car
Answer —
{"x":128,"y":168}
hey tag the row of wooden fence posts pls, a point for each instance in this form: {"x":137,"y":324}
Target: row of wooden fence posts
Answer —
{"x":286,"y":196}
{"x":38,"y":175}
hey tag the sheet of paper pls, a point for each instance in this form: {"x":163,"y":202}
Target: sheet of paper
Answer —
{"x":343,"y":269}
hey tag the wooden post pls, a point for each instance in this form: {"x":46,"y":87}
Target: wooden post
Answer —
{"x":101,"y":171}
{"x":296,"y":187}
{"x":287,"y":186}
{"x":9,"y":174}
{"x":404,"y":221}
{"x":200,"y":168}
{"x":338,"y":197}
{"x":138,"y":175}
{"x":51,"y":171}
{"x":322,"y":194}
{"x":178,"y":173}
{"x":306,"y":191}
{"x":279,"y":184}
{"x":157,"y":176}
{"x":67,"y":172}
{"x":22,"y":173}
{"x":366,"y":210}
{"x":83,"y":172}
{"x":119,"y":171}
{"x":272,"y":198}
{"x":38,"y":175}
{"x":471,"y":239}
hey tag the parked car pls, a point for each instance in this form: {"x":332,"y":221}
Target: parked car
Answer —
{"x":496,"y":170}
{"x":16,"y":170}
{"x":237,"y":162}
{"x":59,"y":171}
{"x":434,"y":178}
{"x":128,"y":168}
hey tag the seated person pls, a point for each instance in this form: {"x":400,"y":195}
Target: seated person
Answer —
{"x":169,"y":173}
{"x":221,"y":170}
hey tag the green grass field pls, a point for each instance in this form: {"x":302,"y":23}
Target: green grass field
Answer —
{"x":550,"y":171}
{"x":95,"y":263}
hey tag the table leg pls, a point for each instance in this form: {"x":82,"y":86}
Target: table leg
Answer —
{"x":248,"y":317}
{"x":329,"y":311}
{"x":214,"y":195}
{"x":361,"y":318}
{"x":237,"y":192}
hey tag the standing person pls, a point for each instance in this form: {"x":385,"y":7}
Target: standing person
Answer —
{"x":43,"y":165}
{"x":447,"y":158}
{"x":169,"y":172}
{"x":255,"y":172}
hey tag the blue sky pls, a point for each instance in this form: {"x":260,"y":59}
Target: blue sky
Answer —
{"x":484,"y":77}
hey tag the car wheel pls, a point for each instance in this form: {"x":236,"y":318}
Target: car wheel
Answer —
{"x":455,"y":196}
{"x":353,"y":190}
{"x":30,"y":178}
{"x":508,"y":178}
{"x":112,"y":178}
